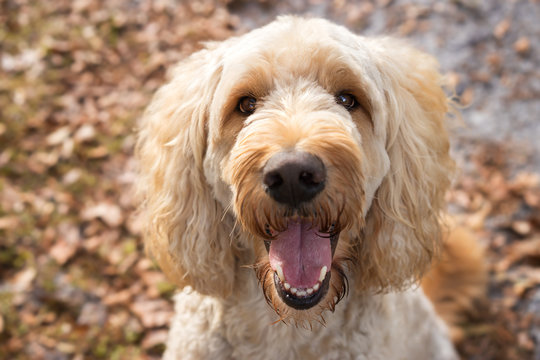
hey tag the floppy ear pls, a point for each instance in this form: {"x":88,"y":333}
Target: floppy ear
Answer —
{"x":183,"y":224}
{"x":403,"y":230}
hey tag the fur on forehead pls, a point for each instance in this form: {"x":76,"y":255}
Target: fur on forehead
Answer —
{"x":290,"y":49}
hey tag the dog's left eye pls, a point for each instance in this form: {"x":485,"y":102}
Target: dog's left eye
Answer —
{"x":348,"y":101}
{"x":247,"y":105}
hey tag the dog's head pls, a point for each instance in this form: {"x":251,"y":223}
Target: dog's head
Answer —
{"x":324,"y":152}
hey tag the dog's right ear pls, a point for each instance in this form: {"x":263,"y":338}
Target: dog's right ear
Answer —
{"x":183,"y":227}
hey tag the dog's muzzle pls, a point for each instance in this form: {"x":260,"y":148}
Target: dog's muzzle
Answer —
{"x":301,"y":254}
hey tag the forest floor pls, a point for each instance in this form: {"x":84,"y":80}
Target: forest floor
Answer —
{"x":75,"y":76}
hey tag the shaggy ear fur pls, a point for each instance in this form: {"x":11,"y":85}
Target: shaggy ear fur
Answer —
{"x":184,"y":230}
{"x":403,"y":225}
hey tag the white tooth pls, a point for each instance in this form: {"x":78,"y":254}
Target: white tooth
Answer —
{"x":309,"y":291}
{"x":287,"y":286}
{"x":279,"y":271}
{"x":294,"y":290}
{"x":301,"y":293}
{"x":323,"y":273}
{"x":316,"y":287}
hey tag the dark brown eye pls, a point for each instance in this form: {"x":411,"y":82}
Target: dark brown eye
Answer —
{"x":348,"y":101}
{"x":247,"y":105}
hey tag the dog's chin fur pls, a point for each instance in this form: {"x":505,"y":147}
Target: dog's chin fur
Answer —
{"x":387,"y":167}
{"x":303,"y":318}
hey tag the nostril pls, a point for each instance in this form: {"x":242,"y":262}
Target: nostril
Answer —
{"x":273,"y":179}
{"x":309,"y":179}
{"x":306,"y":178}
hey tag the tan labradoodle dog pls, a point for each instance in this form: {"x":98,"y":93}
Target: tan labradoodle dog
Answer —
{"x":293,"y":182}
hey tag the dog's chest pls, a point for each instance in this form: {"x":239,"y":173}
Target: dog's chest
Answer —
{"x":251,"y":329}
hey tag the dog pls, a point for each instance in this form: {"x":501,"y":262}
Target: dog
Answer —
{"x":293,"y":182}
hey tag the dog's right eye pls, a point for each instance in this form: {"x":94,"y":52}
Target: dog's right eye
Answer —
{"x":348,"y":101}
{"x":247,"y":105}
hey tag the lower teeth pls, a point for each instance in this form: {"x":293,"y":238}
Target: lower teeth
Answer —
{"x":300,"y":292}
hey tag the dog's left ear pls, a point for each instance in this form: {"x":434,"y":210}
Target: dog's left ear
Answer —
{"x":184,"y":228}
{"x":403,"y":230}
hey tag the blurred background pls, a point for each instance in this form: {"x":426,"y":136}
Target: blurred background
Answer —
{"x":76,"y":75}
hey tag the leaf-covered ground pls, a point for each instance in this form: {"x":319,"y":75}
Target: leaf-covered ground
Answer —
{"x":74,"y":77}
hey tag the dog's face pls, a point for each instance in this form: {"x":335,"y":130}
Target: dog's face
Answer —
{"x":330,"y":156}
{"x":294,"y":140}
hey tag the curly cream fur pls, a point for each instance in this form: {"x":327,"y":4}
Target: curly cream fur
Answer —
{"x":388,"y":169}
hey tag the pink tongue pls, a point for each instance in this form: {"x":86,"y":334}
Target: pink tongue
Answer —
{"x":301,"y":251}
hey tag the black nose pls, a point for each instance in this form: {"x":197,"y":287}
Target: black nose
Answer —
{"x":294,"y":177}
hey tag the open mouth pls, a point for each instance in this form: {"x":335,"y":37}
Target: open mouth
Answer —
{"x":301,"y":258}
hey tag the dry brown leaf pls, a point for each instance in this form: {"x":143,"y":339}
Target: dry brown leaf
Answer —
{"x":524,"y":341}
{"x":9,"y":222}
{"x":66,"y":348}
{"x":98,"y":152}
{"x":110,"y":213}
{"x":23,"y":279}
{"x":525,"y":180}
{"x":501,"y":29}
{"x":151,"y":278}
{"x":476,"y":220}
{"x":59,"y":136}
{"x":494,"y":61}
{"x":467,"y":97}
{"x":522,"y":46}
{"x":522,"y":227}
{"x":153,"y":338}
{"x":518,"y":251}
{"x":532,"y":198}
{"x":152,"y":313}
{"x":85,"y":133}
{"x":92,"y":313}
{"x":68,"y":243}
{"x":62,"y":251}
{"x":123,"y":296}
{"x":119,"y":318}
{"x":72,"y":176}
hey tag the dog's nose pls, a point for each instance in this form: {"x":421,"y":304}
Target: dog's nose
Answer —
{"x":294,"y":177}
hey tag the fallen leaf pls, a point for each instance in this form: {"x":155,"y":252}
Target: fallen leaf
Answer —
{"x":153,"y":338}
{"x":9,"y":222}
{"x":85,"y":133}
{"x":118,"y":297}
{"x":501,"y":29}
{"x":92,"y":313}
{"x":97,"y":152}
{"x":153,"y":313}
{"x":23,"y":279}
{"x":476,"y":220}
{"x":62,"y":251}
{"x":525,"y":180}
{"x":522,"y":46}
{"x":111,"y":214}
{"x":467,"y":97}
{"x":59,"y":136}
{"x":520,"y":250}
{"x":522,"y":227}
{"x":72,"y":176}
{"x":68,"y":243}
